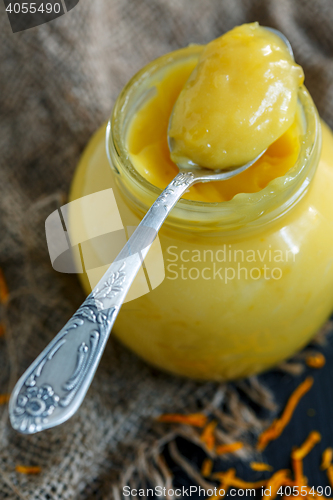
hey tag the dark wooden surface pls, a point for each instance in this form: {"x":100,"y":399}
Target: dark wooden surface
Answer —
{"x":314,"y":412}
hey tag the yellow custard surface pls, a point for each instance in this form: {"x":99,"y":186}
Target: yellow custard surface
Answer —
{"x":148,"y":149}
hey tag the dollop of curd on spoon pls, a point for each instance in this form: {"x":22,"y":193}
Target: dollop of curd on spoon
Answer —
{"x":239,"y":99}
{"x":223,"y":103}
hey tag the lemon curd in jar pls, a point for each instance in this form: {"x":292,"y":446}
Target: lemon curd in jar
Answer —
{"x":239,"y":99}
{"x":147,"y":144}
{"x":248,"y":273}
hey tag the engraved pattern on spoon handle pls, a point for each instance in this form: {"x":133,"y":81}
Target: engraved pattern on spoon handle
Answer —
{"x":54,"y":386}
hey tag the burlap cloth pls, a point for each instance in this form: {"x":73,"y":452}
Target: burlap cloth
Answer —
{"x":58,"y":84}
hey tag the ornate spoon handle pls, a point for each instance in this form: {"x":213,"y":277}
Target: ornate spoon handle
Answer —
{"x":54,"y":386}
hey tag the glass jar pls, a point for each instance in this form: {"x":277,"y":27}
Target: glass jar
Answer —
{"x":248,"y":281}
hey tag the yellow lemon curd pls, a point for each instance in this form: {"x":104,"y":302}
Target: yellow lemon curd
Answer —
{"x":248,"y":262}
{"x":240,"y":98}
{"x":277,"y":126}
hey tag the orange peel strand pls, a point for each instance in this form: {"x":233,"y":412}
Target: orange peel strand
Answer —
{"x":22,"y":469}
{"x":300,"y":453}
{"x":4,"y":294}
{"x":193,"y":419}
{"x":237,"y":482}
{"x":276,"y":428}
{"x":326,"y":458}
{"x":207,"y":467}
{"x":278,"y":479}
{"x":225,"y":485}
{"x":329,"y":472}
{"x":260,"y":466}
{"x":229,"y":448}
{"x":316,"y":360}
{"x":208,"y":436}
{"x":4,"y":398}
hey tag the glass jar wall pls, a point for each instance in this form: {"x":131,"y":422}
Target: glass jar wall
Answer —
{"x":247,"y":282}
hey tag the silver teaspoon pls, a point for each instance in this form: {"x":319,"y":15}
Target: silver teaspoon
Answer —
{"x":54,"y":386}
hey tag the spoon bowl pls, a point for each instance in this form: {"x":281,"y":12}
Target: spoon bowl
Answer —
{"x":205,"y":174}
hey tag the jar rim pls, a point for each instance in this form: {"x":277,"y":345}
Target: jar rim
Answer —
{"x":244,"y":208}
